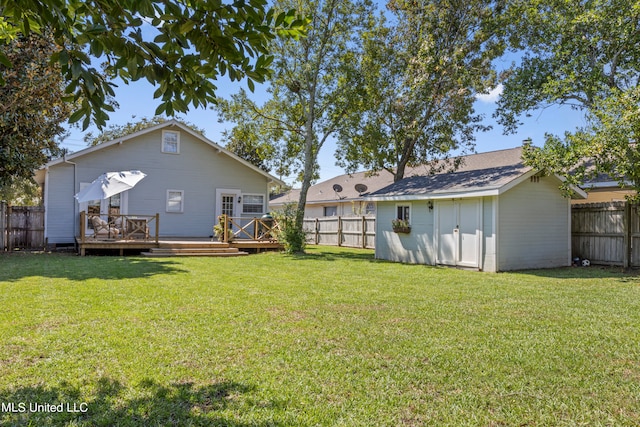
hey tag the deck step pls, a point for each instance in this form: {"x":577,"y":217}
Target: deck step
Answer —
{"x":189,"y":245}
{"x":194,"y":251}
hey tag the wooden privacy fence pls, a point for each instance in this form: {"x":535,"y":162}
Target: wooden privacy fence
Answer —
{"x":606,"y":233}
{"x":21,"y":227}
{"x":354,"y":231}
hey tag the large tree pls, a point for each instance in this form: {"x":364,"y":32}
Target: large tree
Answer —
{"x":32,"y":112}
{"x":180,"y":46}
{"x":417,"y":83}
{"x":307,"y":104}
{"x":583,"y":55}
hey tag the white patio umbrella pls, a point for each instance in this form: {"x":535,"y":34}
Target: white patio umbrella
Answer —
{"x":108,"y":184}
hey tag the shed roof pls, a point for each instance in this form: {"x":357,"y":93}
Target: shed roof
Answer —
{"x":482,"y":174}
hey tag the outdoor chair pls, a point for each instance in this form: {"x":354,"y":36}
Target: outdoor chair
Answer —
{"x":102,"y":228}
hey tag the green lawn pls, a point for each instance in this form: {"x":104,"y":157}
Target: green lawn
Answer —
{"x":332,"y":338}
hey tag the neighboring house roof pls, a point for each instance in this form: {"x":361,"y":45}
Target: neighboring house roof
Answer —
{"x":324,"y":192}
{"x":483,"y":174}
{"x":169,"y":123}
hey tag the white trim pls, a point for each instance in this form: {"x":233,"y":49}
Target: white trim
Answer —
{"x":496,"y":229}
{"x":607,"y":184}
{"x":433,"y":196}
{"x":264,"y":200}
{"x":569,"y":258}
{"x":46,"y":204}
{"x":224,"y":191}
{"x":162,"y":144}
{"x":181,"y":201}
{"x":409,"y":205}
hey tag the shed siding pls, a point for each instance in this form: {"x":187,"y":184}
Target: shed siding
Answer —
{"x":488,"y":255}
{"x":197,"y":170}
{"x":415,"y":247}
{"x":534,"y":227}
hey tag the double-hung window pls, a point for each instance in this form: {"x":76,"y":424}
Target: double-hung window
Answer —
{"x":252,"y":203}
{"x":175,"y":201}
{"x":171,"y":141}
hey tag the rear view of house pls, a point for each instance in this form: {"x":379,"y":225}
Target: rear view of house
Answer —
{"x":190,"y":182}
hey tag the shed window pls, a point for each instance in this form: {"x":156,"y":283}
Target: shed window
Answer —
{"x":403,"y":212}
{"x":171,"y":142}
{"x":252,"y":203}
{"x":175,"y":201}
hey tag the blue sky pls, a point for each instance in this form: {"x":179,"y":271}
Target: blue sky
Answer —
{"x":136,"y":102}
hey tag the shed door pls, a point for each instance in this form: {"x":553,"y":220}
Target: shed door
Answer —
{"x":459,"y":232}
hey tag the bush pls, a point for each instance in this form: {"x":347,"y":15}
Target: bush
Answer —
{"x":292,"y":237}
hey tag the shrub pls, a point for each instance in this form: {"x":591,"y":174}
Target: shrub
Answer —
{"x":291,"y":236}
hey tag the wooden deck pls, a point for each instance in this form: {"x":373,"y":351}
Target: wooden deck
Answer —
{"x":141,"y":233}
{"x":175,"y":246}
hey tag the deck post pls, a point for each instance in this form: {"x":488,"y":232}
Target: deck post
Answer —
{"x":225,"y":228}
{"x":157,"y":227}
{"x":255,"y":228}
{"x":83,"y":230}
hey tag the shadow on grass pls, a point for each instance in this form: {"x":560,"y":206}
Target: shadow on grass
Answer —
{"x":112,"y":404}
{"x":14,"y":267}
{"x":334,"y":254}
{"x":593,"y":272}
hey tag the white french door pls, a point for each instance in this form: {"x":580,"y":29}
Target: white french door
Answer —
{"x":458,"y":232}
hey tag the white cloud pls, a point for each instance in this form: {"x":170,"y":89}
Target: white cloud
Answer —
{"x":491,"y":96}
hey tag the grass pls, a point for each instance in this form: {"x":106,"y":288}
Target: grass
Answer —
{"x":331,"y":338}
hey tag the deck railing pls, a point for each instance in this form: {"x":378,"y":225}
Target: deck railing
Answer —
{"x":119,"y":227}
{"x":256,"y":229}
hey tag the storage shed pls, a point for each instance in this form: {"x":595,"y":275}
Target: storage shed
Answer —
{"x":493,"y":214}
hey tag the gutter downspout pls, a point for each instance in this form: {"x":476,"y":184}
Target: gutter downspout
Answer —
{"x":75,"y":183}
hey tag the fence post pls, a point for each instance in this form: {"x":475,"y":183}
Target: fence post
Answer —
{"x":3,"y":225}
{"x":317,"y":232}
{"x":364,"y":232}
{"x":339,"y":231}
{"x":626,"y":263}
{"x":9,"y":233}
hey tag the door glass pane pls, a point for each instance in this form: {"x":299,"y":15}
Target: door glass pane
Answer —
{"x":227,"y":204}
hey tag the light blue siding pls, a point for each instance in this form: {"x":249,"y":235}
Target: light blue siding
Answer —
{"x":415,"y":247}
{"x":525,"y":227}
{"x":534,"y":226}
{"x":198,"y":170}
{"x":61,"y":207}
{"x":488,"y":255}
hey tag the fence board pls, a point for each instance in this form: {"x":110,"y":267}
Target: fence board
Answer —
{"x":3,"y":226}
{"x":23,"y":227}
{"x":606,"y":233}
{"x":356,"y":231}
